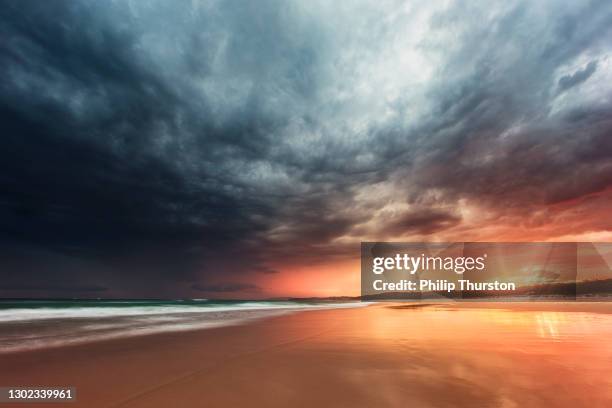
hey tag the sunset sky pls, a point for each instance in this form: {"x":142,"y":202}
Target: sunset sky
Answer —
{"x":218,"y":149}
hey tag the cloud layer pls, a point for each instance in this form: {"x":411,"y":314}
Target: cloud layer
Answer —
{"x":197,"y":145}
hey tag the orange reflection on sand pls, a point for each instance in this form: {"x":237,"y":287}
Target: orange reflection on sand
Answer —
{"x":477,"y":354}
{"x":385,"y":355}
{"x":501,"y":354}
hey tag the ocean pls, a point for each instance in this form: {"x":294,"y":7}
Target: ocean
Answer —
{"x":33,"y":324}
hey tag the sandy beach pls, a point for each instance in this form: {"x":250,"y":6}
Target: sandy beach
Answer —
{"x":383,"y":355}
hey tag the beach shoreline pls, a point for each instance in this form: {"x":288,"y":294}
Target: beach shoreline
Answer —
{"x":460,"y":354}
{"x":31,"y":325}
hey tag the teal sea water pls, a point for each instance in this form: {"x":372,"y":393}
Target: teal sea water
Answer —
{"x":32,"y":324}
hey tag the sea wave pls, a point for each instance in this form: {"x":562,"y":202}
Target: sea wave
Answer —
{"x":49,"y":310}
{"x":29,"y":325}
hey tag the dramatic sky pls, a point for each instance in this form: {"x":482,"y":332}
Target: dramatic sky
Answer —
{"x":244,"y":149}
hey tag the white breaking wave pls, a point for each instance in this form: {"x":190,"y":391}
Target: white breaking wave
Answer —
{"x":30,"y":314}
{"x":23,"y":329}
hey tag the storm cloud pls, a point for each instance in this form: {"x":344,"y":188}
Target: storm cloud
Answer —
{"x":157,"y":148}
{"x":226,"y":287}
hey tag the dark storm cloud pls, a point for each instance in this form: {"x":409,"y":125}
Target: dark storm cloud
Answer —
{"x":502,"y":134}
{"x":567,"y":81}
{"x":66,"y":288}
{"x":226,"y":287}
{"x":265,"y":269}
{"x":185,"y":142}
{"x":422,"y":222}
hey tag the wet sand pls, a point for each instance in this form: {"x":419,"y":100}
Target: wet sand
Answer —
{"x":449,"y":355}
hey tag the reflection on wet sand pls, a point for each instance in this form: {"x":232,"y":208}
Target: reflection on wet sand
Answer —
{"x":385,"y":355}
{"x":484,"y":354}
